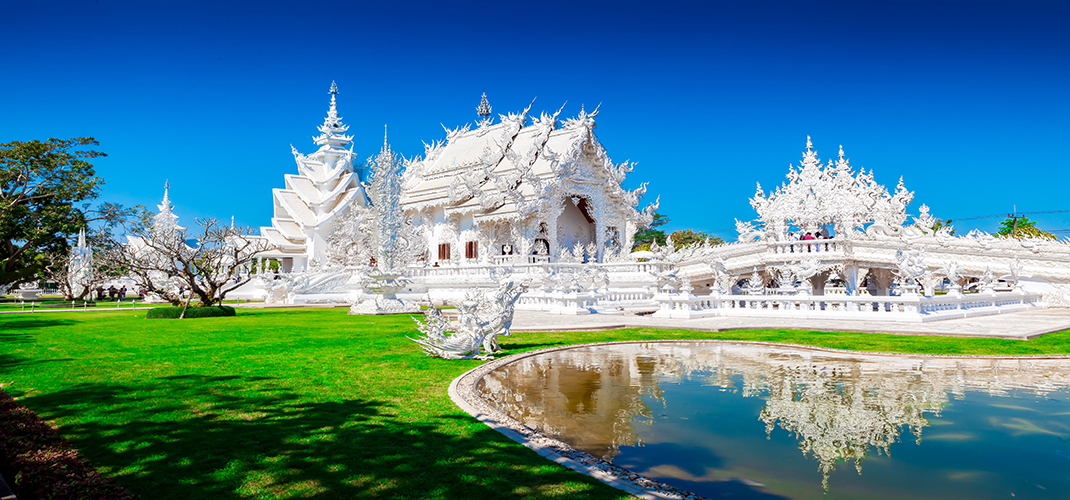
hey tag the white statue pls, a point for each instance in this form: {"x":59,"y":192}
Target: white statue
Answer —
{"x":80,"y":266}
{"x":951,"y":271}
{"x":480,"y":321}
{"x":391,"y":235}
{"x":911,"y":264}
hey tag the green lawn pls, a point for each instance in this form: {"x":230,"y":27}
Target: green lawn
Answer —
{"x":294,"y":403}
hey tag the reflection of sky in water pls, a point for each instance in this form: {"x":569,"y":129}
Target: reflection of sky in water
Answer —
{"x":766,"y":422}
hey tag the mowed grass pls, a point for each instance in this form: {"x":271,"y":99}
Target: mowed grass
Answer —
{"x":312,"y":403}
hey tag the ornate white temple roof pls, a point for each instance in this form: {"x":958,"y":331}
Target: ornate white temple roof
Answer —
{"x":834,"y":195}
{"x":505,"y":170}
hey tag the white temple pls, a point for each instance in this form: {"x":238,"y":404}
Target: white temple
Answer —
{"x":541,"y":200}
{"x":513,"y":191}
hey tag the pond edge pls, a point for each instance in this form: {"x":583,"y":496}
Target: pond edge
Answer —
{"x":462,"y":390}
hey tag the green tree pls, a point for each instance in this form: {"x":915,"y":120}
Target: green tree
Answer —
{"x":1023,"y":228}
{"x":687,"y":237}
{"x":41,"y":185}
{"x":940,"y":223}
{"x":646,"y":235}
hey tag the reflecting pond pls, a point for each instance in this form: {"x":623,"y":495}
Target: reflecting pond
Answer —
{"x":760,"y":421}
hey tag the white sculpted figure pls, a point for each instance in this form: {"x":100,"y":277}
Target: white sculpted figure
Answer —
{"x":951,"y":270}
{"x":80,"y":266}
{"x":747,"y":232}
{"x":390,"y":234}
{"x":987,"y":280}
{"x":480,"y":321}
{"x":911,"y":264}
{"x":1016,"y":270}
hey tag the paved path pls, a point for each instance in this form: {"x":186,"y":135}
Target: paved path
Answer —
{"x":1020,"y":325}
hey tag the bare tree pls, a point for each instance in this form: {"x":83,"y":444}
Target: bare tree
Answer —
{"x":162,"y":259}
{"x":79,"y":271}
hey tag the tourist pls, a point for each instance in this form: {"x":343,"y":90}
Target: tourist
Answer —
{"x":808,"y":237}
{"x":122,"y":293}
{"x":792,"y":237}
{"x":111,"y":292}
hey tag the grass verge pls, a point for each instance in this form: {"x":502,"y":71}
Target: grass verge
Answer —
{"x":288,"y":403}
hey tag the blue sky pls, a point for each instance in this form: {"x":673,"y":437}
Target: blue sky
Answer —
{"x":967,"y":101}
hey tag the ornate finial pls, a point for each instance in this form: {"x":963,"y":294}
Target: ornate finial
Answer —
{"x":334,"y":88}
{"x":841,"y":151}
{"x":809,"y":145}
{"x":166,"y":186}
{"x":484,"y":108}
{"x":384,"y":137}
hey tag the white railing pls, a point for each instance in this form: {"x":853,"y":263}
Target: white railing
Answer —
{"x":532,"y":268}
{"x":612,"y":299}
{"x":808,"y":246}
{"x":502,"y":260}
{"x":909,"y":308}
{"x":571,"y":302}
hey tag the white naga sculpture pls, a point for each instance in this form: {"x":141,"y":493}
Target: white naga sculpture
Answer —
{"x":480,"y":321}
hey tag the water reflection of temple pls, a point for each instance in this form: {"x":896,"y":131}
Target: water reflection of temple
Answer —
{"x":840,"y":407}
{"x":595,"y":398}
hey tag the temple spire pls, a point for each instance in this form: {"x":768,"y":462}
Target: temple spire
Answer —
{"x":165,"y":222}
{"x":332,"y":132}
{"x":809,"y":145}
{"x":165,"y":205}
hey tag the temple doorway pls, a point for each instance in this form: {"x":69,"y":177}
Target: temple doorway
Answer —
{"x":575,"y":224}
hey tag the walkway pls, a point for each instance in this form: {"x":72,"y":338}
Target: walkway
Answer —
{"x":1020,"y":325}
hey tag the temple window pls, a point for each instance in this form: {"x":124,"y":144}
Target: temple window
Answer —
{"x":443,"y":251}
{"x":471,"y":249}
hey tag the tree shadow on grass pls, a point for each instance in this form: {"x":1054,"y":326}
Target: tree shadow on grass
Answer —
{"x":14,"y":330}
{"x":203,"y":437}
{"x":8,"y":362}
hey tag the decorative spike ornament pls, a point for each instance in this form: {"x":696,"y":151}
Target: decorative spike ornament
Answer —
{"x":484,"y":109}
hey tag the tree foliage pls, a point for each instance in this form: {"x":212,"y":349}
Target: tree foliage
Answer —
{"x":686,"y":237}
{"x":941,"y":223}
{"x":648,"y":234}
{"x":41,"y":185}
{"x":1024,"y":228}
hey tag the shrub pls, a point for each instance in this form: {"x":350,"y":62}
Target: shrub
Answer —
{"x":192,"y":312}
{"x":43,"y":464}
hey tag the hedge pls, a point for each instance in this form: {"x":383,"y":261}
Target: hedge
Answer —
{"x":39,"y":463}
{"x":192,"y":312}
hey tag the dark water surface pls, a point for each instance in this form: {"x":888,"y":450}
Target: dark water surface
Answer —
{"x":747,"y":421}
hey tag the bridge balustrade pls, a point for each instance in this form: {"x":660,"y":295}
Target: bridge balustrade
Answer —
{"x":884,"y":308}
